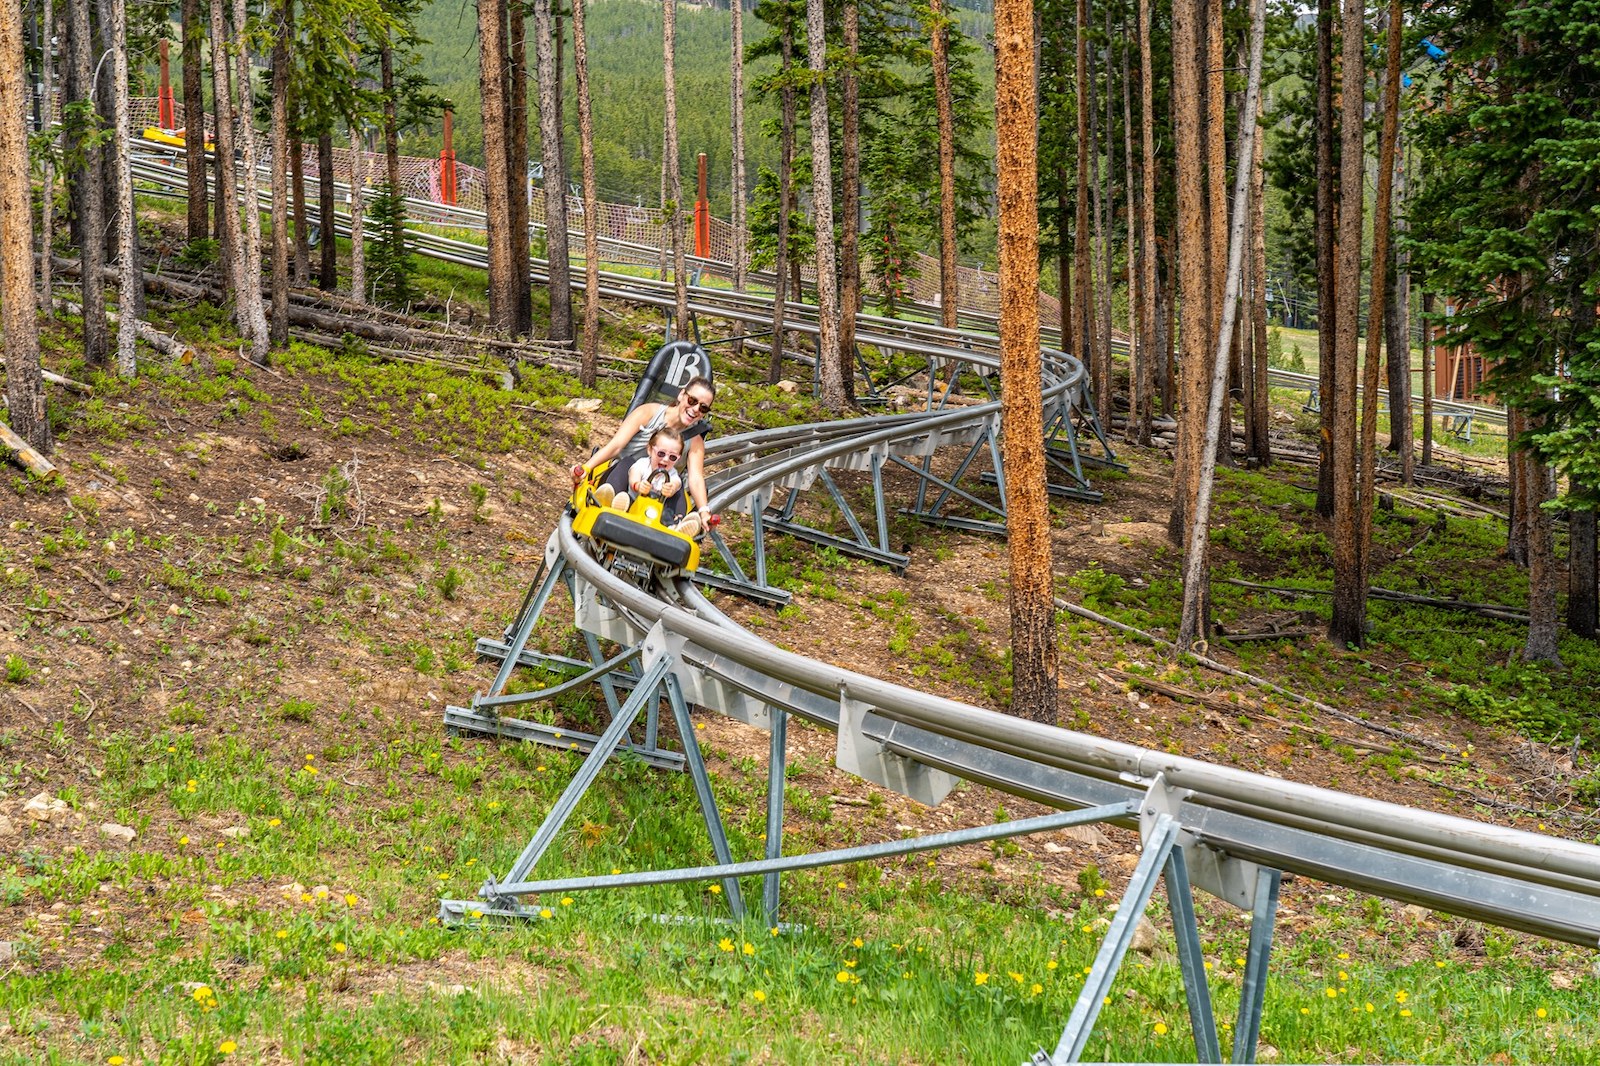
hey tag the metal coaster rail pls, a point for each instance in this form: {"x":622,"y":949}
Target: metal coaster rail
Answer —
{"x":1230,"y":832}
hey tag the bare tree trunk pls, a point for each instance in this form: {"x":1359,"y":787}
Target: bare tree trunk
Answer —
{"x":785,"y":192}
{"x":591,"y":203}
{"x":1401,"y":432}
{"x":297,"y":191}
{"x":1327,"y":225}
{"x":1064,"y":254}
{"x":497,"y":195}
{"x":1349,"y":575}
{"x":1082,"y":249}
{"x":194,"y":121}
{"x":1215,"y":133}
{"x":1033,"y":633}
{"x":358,"y":216}
{"x":1138,"y":343}
{"x":1427,"y":379}
{"x":1192,"y":282}
{"x":1544,"y":620}
{"x":830,"y":362}
{"x":674,"y":172}
{"x":328,"y":275}
{"x":1195,"y":577}
{"x":737,"y":192}
{"x":1147,"y":220}
{"x":391,"y":123}
{"x":130,"y":284}
{"x":88,"y":193}
{"x":1099,"y":136}
{"x":850,"y":205}
{"x":519,"y":191}
{"x":1260,"y":408}
{"x":227,"y":207}
{"x":280,"y":175}
{"x":47,"y":192}
{"x":949,"y":281}
{"x":555,"y":177}
{"x":252,"y":314}
{"x":1517,"y":535}
{"x":1583,"y":615}
{"x":19,"y":321}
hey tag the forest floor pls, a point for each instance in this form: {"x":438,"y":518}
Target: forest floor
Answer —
{"x":229,"y":631}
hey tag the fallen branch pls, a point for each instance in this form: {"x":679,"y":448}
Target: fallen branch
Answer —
{"x":59,"y":613}
{"x":1267,"y":634}
{"x":161,"y":342}
{"x":36,"y":463}
{"x":65,"y":382}
{"x":1223,"y":668}
{"x":1488,"y":610}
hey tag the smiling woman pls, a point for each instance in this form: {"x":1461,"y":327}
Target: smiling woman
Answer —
{"x":688,"y":416}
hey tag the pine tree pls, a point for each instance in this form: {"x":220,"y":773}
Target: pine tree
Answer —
{"x":18,"y":305}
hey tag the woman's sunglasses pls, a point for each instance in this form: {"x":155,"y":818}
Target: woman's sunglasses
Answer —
{"x":689,"y":402}
{"x":666,"y":456}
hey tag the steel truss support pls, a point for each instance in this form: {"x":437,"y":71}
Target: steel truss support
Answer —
{"x":1164,"y":851}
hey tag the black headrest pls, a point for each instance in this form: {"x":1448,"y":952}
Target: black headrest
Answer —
{"x":669,"y":371}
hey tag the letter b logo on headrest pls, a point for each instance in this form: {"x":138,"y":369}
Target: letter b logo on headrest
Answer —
{"x":669,"y":370}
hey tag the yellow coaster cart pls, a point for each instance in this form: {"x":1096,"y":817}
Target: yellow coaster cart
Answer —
{"x":637,"y":533}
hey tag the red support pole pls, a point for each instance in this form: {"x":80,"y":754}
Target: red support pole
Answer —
{"x":702,"y":216}
{"x":166,"y":107}
{"x":447,"y":163}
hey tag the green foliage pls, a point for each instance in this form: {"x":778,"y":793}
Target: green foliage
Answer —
{"x":390,"y":269}
{"x":17,"y":670}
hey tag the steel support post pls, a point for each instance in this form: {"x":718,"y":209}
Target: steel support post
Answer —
{"x":1157,"y":845}
{"x":878,"y":502}
{"x":616,"y":732}
{"x":607,"y":684}
{"x":999,"y":465}
{"x":777,"y":765}
{"x":702,"y":791}
{"x":1191,"y":959}
{"x":961,"y":470}
{"x":530,"y":616}
{"x":1253,"y":994}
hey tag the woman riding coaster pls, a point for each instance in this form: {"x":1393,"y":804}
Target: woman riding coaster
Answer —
{"x":687,"y":416}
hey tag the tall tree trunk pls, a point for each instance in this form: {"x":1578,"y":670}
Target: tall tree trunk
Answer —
{"x":391,"y":124}
{"x":358,"y":217}
{"x":1215,"y":132}
{"x":1517,"y":479}
{"x":194,"y":121}
{"x":1147,"y":219}
{"x":1327,"y":224}
{"x":1544,"y":620}
{"x":499,"y":233}
{"x":1193,"y":284}
{"x":1400,"y":431}
{"x":88,"y":192}
{"x":1427,"y":379}
{"x":1349,"y":574}
{"x":1260,"y":409}
{"x":1082,"y":249}
{"x":589,"y":368}
{"x":737,"y":192}
{"x":785,"y":192}
{"x":674,"y":172}
{"x":555,"y":177}
{"x":297,"y":174}
{"x":130,"y":282}
{"x":1195,"y":577}
{"x":1033,"y":633}
{"x":104,"y":95}
{"x":1583,"y":615}
{"x":252,"y":314}
{"x":850,"y":201}
{"x":280,"y":175}
{"x":1138,"y":344}
{"x":328,"y":273}
{"x":1064,"y":253}
{"x":1101,"y":135}
{"x":830,"y":361}
{"x":19,"y":321}
{"x":227,"y":207}
{"x":949,"y":281}
{"x":47,"y":192}
{"x":519,"y":191}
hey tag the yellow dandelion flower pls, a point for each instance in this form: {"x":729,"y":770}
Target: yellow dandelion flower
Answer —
{"x":616,"y":869}
{"x":1036,"y":988}
{"x":172,"y":748}
{"x":759,"y":996}
{"x":749,"y":948}
{"x":1207,"y":964}
{"x":724,"y":944}
{"x":494,"y":805}
{"x":274,"y":822}
{"x":475,"y":913}
{"x":1099,"y":892}
{"x":857,"y":943}
{"x":351,"y":899}
{"x":305,"y":897}
{"x":539,"y":769}
{"x":183,"y":842}
{"x":1088,"y":928}
{"x":1087,"y":970}
{"x":1401,"y":996}
{"x":282,"y":934}
{"x":1405,"y":1012}
{"x":1052,"y":964}
{"x":699,"y":725}
{"x":1305,"y":1010}
{"x":980,"y":978}
{"x":1439,"y":963}
{"x":566,"y":901}
{"x":339,"y":945}
{"x":774,"y":930}
{"x":320,"y":892}
{"x":1343,"y":976}
{"x":1343,"y":955}
{"x":850,"y":964}
{"x":227,"y":1047}
{"x":906,"y":976}
{"x":191,"y":782}
{"x":312,"y":770}
{"x":1368,"y":1007}
{"x":843,"y":977}
{"x":841,"y":884}
{"x":1331,"y":993}
{"x":1014,"y":975}
{"x":118,"y":1060}
{"x":545,"y":912}
{"x":1541,"y":1013}
{"x":1238,"y":962}
{"x":716,"y":890}
{"x":1160,"y":1028}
